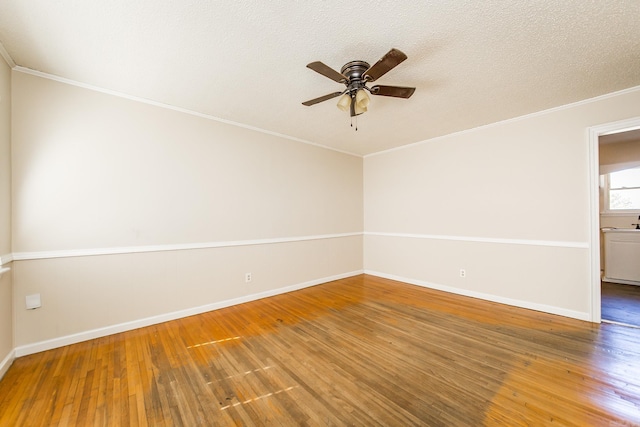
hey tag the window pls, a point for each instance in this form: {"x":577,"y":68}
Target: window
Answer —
{"x":622,"y":191}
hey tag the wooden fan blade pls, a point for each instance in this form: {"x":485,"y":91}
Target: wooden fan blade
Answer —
{"x":384,"y":65}
{"x":395,"y":91}
{"x":327,"y":71}
{"x":320,"y":99}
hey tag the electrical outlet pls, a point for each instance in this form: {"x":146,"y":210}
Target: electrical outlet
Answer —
{"x":247,"y":277}
{"x":463,"y":273}
{"x":33,"y":301}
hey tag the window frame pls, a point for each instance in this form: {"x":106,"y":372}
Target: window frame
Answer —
{"x":605,"y":182}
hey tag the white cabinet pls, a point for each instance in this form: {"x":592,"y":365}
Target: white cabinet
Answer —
{"x":621,"y":255}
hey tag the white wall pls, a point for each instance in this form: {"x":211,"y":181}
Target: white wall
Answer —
{"x":619,"y":221}
{"x":509,"y":203}
{"x":109,"y":193}
{"x":6,"y":287}
{"x":131,"y":182}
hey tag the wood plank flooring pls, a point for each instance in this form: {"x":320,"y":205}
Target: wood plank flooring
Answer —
{"x":621,"y":303}
{"x":361,"y":351}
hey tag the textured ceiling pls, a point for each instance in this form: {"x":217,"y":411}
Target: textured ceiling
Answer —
{"x":472,"y":62}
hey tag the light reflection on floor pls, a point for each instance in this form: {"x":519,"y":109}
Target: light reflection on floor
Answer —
{"x":258,"y":397}
{"x":242,"y":374}
{"x":213,"y":342}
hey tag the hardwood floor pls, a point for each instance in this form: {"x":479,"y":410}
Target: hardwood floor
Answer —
{"x":621,"y":303}
{"x":359,"y":351}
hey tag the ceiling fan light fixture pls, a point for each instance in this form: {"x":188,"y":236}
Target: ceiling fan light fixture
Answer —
{"x":344,"y":102}
{"x":355,"y":75}
{"x":362,"y":101}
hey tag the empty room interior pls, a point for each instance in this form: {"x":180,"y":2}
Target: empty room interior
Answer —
{"x":382,"y":213}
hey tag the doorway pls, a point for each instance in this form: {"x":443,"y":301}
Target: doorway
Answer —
{"x":605,"y":299}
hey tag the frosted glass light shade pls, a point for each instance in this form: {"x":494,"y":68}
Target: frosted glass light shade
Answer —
{"x":344,"y":102}
{"x":362,"y":101}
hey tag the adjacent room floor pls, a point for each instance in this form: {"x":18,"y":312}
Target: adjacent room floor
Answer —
{"x":621,"y":303}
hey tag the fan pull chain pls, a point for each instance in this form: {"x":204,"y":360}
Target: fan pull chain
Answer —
{"x":356,"y":123}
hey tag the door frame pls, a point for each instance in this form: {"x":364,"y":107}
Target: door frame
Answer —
{"x":593,"y":135}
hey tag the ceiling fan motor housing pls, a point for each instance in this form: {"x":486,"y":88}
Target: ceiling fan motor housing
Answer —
{"x":353,"y":71}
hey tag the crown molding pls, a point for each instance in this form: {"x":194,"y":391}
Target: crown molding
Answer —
{"x":174,"y":108}
{"x":511,"y":120}
{"x":8,"y":59}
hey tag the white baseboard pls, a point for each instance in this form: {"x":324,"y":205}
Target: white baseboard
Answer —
{"x":140,"y":323}
{"x":6,"y":363}
{"x":620,"y":281}
{"x":488,"y":297}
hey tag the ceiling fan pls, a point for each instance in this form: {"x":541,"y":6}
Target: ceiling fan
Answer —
{"x":355,"y":75}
